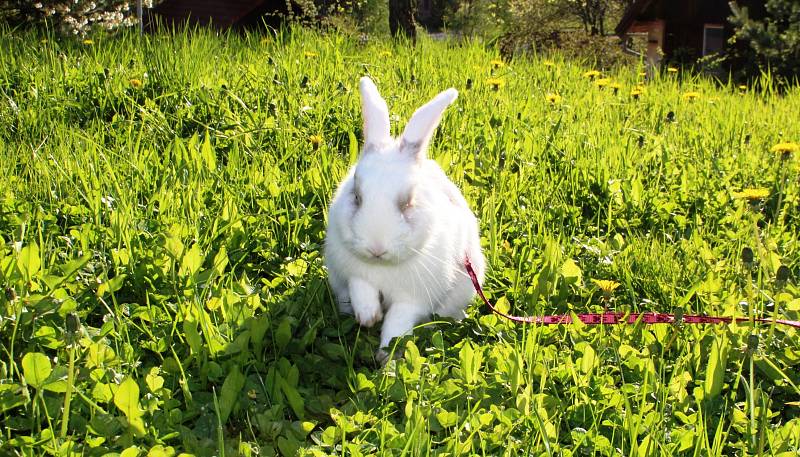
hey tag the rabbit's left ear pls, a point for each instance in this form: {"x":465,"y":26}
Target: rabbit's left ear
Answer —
{"x":423,"y":123}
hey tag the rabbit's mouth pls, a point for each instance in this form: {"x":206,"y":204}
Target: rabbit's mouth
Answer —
{"x":379,"y":257}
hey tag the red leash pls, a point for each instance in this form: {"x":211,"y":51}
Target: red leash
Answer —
{"x":617,"y":318}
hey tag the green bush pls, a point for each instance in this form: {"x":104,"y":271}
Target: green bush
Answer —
{"x":544,"y":27}
{"x":770,"y":44}
{"x":483,"y":18}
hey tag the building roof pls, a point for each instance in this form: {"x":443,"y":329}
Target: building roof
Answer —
{"x":633,"y":11}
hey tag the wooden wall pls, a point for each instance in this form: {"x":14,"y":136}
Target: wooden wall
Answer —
{"x":684,"y":20}
{"x":219,"y":13}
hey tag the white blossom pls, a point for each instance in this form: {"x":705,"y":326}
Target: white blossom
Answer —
{"x":79,"y":16}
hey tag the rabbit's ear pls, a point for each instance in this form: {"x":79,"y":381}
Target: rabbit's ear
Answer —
{"x":376,"y":114}
{"x":423,"y":122}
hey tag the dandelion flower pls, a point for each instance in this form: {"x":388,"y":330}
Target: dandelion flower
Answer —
{"x":615,"y":86}
{"x":743,"y":88}
{"x":591,"y":74}
{"x":672,"y":70}
{"x":386,"y":54}
{"x":553,"y":99}
{"x":495,"y":83}
{"x":497,"y":63}
{"x":603,"y":82}
{"x":315,"y":140}
{"x":691,"y":95}
{"x":549,"y":63}
{"x":606,"y":285}
{"x":752,"y":194}
{"x":88,"y":42}
{"x":637,"y":92}
{"x":642,"y":74}
{"x":310,"y":55}
{"x":786,"y":149}
{"x":136,"y":83}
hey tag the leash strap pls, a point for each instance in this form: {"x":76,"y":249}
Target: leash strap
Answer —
{"x":617,"y":318}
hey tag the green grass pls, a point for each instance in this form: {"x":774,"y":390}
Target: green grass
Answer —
{"x":163,"y":281}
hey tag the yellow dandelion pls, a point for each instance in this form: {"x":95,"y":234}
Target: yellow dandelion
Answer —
{"x":136,"y":83}
{"x":691,"y":95}
{"x":615,"y":87}
{"x":497,"y":63}
{"x":495,"y":83}
{"x":637,"y":91}
{"x":315,"y":140}
{"x":88,"y":42}
{"x":386,"y":54}
{"x":642,"y":74}
{"x":672,"y":70}
{"x":549,"y":63}
{"x":553,"y":98}
{"x":742,"y":88}
{"x":43,"y":41}
{"x":591,"y":74}
{"x":752,"y":194}
{"x":310,"y":55}
{"x":606,"y":285}
{"x":785,"y":150}
{"x":786,"y":147}
{"x":603,"y":82}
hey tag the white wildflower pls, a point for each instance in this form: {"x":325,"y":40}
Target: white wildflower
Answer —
{"x":108,"y":201}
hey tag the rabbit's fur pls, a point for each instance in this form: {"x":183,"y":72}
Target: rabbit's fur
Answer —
{"x":398,"y":229}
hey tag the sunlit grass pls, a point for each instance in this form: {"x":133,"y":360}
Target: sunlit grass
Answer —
{"x":169,"y":192}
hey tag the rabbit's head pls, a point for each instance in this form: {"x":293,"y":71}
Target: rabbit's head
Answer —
{"x":387,"y":207}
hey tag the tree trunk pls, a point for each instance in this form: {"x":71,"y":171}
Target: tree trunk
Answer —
{"x":401,"y":18}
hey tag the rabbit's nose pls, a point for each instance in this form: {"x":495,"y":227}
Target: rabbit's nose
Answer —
{"x":377,"y":251}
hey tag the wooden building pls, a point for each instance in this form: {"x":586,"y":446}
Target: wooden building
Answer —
{"x":220,"y":13}
{"x":682,"y":30}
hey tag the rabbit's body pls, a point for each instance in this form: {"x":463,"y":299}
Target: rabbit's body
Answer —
{"x":399,"y":230}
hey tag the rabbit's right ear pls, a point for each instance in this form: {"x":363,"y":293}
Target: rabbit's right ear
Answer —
{"x":376,"y":115}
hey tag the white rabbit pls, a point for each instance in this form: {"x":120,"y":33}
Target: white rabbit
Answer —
{"x":398,"y":230}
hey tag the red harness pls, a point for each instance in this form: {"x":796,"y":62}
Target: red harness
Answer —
{"x":619,"y":318}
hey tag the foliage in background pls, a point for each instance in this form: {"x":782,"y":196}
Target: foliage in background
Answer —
{"x":478,"y":18}
{"x":162,"y":214}
{"x":594,"y":14}
{"x":545,"y":26}
{"x":372,"y":17}
{"x":770,"y":44}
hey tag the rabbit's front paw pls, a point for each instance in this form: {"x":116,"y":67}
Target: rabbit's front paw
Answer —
{"x":368,"y":314}
{"x":366,"y":302}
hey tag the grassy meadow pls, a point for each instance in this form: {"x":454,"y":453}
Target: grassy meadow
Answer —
{"x":162,"y":212}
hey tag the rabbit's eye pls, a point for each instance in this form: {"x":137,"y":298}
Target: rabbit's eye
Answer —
{"x":405,"y":203}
